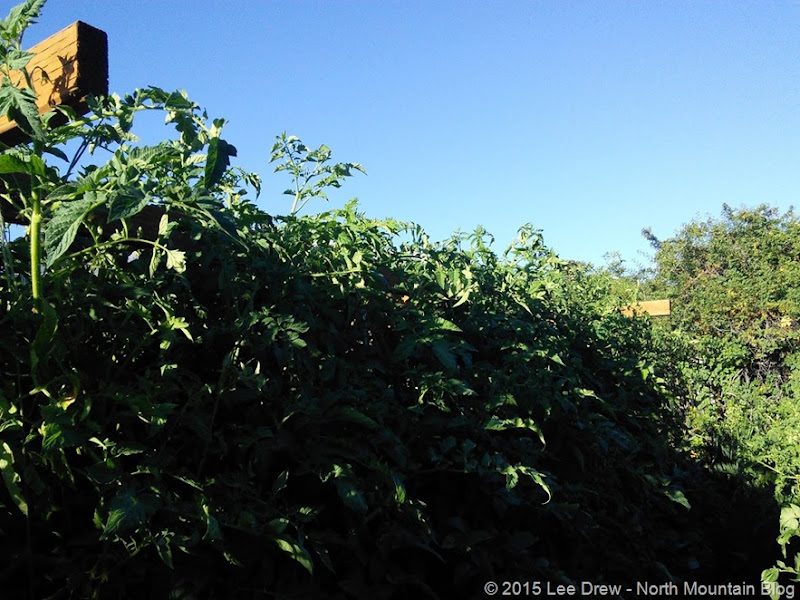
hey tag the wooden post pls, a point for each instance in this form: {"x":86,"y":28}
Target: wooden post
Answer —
{"x":654,"y":308}
{"x":66,"y":68}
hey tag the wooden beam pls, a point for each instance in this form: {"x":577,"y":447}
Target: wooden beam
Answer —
{"x":654,"y":308}
{"x":66,"y":68}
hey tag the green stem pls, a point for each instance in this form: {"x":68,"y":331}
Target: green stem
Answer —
{"x":36,"y":227}
{"x":84,"y":145}
{"x":36,"y":245}
{"x":297,"y":170}
{"x":298,"y":191}
{"x":294,"y":204}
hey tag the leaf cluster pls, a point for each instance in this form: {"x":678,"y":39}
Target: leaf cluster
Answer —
{"x":309,"y":407}
{"x":308,"y":169}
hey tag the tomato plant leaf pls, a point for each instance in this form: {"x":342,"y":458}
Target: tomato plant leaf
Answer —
{"x":218,"y":161}
{"x":444,"y":354}
{"x":11,"y":478}
{"x":350,"y":494}
{"x":19,"y":104}
{"x":128,"y":510}
{"x":213,"y":531}
{"x":126,"y":203}
{"x":296,"y":552}
{"x":19,"y":18}
{"x":164,"y":551}
{"x":61,"y":229}
{"x":176,"y":260}
{"x":9,"y":163}
{"x":677,"y":496}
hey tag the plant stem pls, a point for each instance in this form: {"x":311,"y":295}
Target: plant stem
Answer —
{"x":36,"y":245}
{"x":76,"y":158}
{"x":297,"y":188}
{"x":296,"y":200}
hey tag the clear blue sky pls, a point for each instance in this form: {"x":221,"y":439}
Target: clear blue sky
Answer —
{"x":590,"y":120}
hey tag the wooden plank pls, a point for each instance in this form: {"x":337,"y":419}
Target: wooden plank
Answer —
{"x":654,"y":308}
{"x":74,"y":63}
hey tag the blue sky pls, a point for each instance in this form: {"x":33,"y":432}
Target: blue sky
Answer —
{"x":590,"y":120}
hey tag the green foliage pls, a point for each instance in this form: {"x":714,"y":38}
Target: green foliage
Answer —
{"x":736,"y":305}
{"x":17,"y":101}
{"x":237,"y":404}
{"x":310,"y":174}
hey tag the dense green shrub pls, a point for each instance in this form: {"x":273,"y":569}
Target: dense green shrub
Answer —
{"x":735,"y":285}
{"x":329,"y":406}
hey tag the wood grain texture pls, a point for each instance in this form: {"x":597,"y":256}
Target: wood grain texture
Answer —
{"x":66,"y":68}
{"x":75,"y":62}
{"x":654,"y":308}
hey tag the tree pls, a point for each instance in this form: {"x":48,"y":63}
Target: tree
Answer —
{"x":735,"y":285}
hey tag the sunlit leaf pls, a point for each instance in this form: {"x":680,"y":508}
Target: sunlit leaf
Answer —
{"x":176,"y":259}
{"x":213,"y":531}
{"x":295,"y":551}
{"x":11,"y":478}
{"x":677,"y":496}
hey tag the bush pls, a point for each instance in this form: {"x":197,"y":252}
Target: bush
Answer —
{"x":736,"y":305}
